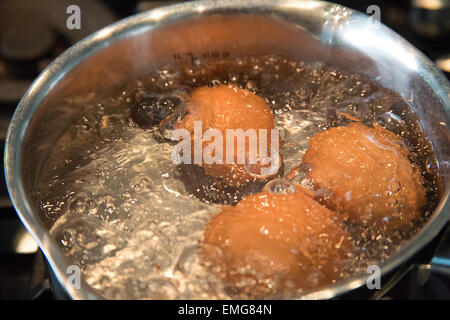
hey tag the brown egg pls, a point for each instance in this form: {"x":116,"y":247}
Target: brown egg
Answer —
{"x":276,"y":241}
{"x":368,"y":173}
{"x":228,"y":107}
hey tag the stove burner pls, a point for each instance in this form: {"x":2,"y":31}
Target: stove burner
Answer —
{"x":33,"y":33}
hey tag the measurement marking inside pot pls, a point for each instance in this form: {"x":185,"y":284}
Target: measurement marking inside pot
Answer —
{"x":207,"y":55}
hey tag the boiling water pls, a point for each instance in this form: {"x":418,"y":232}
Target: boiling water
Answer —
{"x":125,"y":214}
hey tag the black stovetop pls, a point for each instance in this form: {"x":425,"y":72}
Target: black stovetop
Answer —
{"x":22,"y":269}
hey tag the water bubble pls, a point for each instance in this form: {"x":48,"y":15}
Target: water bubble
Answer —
{"x":265,"y":165}
{"x":79,"y":204}
{"x":141,"y":184}
{"x":431,"y":164}
{"x":392,"y":122}
{"x":175,"y":187}
{"x":87,"y":239}
{"x":300,"y":175}
{"x":280,"y":186}
{"x":188,"y":260}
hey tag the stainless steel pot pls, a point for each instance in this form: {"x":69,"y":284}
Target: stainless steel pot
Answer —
{"x":299,"y":30}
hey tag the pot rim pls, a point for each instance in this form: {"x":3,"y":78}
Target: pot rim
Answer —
{"x":80,"y":51}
